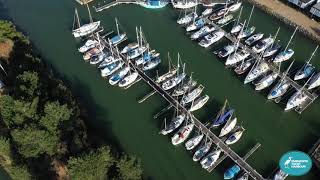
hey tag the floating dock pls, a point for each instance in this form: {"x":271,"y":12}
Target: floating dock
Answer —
{"x":83,"y":2}
{"x":117,"y":2}
{"x":215,"y":139}
{"x":311,"y":96}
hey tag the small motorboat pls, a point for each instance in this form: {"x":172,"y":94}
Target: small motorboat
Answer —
{"x":246,"y":33}
{"x":222,"y":118}
{"x":272,"y":50}
{"x":209,"y":39}
{"x":266,"y":81}
{"x":280,"y":175}
{"x":218,"y":15}
{"x":279,"y":90}
{"x":187,"y":18}
{"x":189,"y":97}
{"x":225,"y":19}
{"x":237,"y":57}
{"x":205,"y":30}
{"x":306,"y":71}
{"x":98,"y":58}
{"x":228,"y":127}
{"x":232,"y":172}
{"x":236,"y":29}
{"x":89,"y":44}
{"x":244,"y":176}
{"x":174,"y":124}
{"x":202,"y":151}
{"x":207,"y":12}
{"x":254,"y":38}
{"x":210,"y":159}
{"x":111,"y":68}
{"x":128,"y":79}
{"x":284,"y":56}
{"x":114,"y":79}
{"x":257,"y":71}
{"x":186,"y":4}
{"x":226,"y":51}
{"x":315,"y":81}
{"x":263,"y":44}
{"x":243,"y":67}
{"x":182,"y":134}
{"x":196,"y":25}
{"x":199,"y":103}
{"x":184,"y":88}
{"x":173,"y":82}
{"x":129,"y":47}
{"x":233,"y":138}
{"x":193,"y":142}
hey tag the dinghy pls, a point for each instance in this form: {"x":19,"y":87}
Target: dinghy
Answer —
{"x":182,"y":134}
{"x":193,"y":142}
{"x":202,"y":151}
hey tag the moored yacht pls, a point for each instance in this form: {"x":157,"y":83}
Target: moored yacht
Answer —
{"x":182,"y":134}
{"x":136,"y":52}
{"x":189,"y":97}
{"x":266,"y":81}
{"x":174,"y":124}
{"x":272,"y":50}
{"x":233,"y":138}
{"x":243,"y":67}
{"x":236,"y":29}
{"x":280,"y":175}
{"x":284,"y":56}
{"x":263,"y":44}
{"x":188,"y":18}
{"x":228,"y":127}
{"x":315,"y":81}
{"x":226,"y":51}
{"x":218,"y":15}
{"x":153,"y":63}
{"x":210,"y":159}
{"x":225,"y":19}
{"x":196,"y":25}
{"x":254,"y":38}
{"x":244,"y":176}
{"x":234,"y":7}
{"x":184,"y":88}
{"x":114,"y":79}
{"x":211,"y":38}
{"x":184,"y":4}
{"x":306,"y":71}
{"x":98,"y":58}
{"x":231,"y":172}
{"x":171,"y":83}
{"x":279,"y":90}
{"x":199,"y":103}
{"x":85,"y":29}
{"x":296,"y":100}
{"x":205,"y":30}
{"x":89,"y":44}
{"x":246,"y":33}
{"x":237,"y":57}
{"x":202,"y":151}
{"x":129,"y":47}
{"x":207,"y":12}
{"x":129,"y":79}
{"x":222,"y":118}
{"x":193,"y":142}
{"x":111,"y":68}
{"x":257,"y":71}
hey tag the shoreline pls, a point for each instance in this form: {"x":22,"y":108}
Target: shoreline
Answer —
{"x":283,"y":11}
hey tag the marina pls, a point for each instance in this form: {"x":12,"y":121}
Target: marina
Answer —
{"x":147,"y":133}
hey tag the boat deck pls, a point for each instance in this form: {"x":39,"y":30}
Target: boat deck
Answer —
{"x":216,"y":140}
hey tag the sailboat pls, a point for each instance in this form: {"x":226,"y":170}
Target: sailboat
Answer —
{"x":254,"y":38}
{"x":193,"y":142}
{"x":129,"y":47}
{"x":146,"y":57}
{"x":189,"y":97}
{"x":244,"y":66}
{"x":287,"y":53}
{"x":184,"y":4}
{"x":266,"y":81}
{"x":211,"y":38}
{"x":171,"y":72}
{"x":218,"y":15}
{"x":202,"y":151}
{"x":226,"y":51}
{"x":233,"y":138}
{"x":182,"y":134}
{"x":174,"y":81}
{"x":111,"y":68}
{"x":234,"y":7}
{"x":205,"y":30}
{"x":207,"y":12}
{"x":296,"y":100}
{"x":223,"y":117}
{"x":114,"y":79}
{"x":263,"y":44}
{"x":282,"y":87}
{"x":174,"y":124}
{"x":256,"y":71}
{"x":115,"y":40}
{"x":153,"y":63}
{"x":315,"y":81}
{"x":237,"y":26}
{"x":96,"y":59}
{"x":142,"y":47}
{"x":196,"y":25}
{"x":129,"y":79}
{"x":89,"y":44}
{"x":307,"y":69}
{"x":199,"y":103}
{"x":210,"y":159}
{"x":228,"y":127}
{"x":272,"y":50}
{"x":247,"y":31}
{"x":185,"y":87}
{"x":86,"y":29}
{"x":188,"y":18}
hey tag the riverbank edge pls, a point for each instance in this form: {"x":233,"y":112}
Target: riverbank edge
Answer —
{"x":286,"y":20}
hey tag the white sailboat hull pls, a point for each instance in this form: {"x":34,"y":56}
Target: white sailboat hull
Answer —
{"x":86,"y":29}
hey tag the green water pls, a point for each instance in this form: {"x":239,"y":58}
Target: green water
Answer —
{"x":116,"y":115}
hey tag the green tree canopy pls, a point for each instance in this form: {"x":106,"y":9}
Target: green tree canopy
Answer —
{"x":19,"y":173}
{"x":129,"y":168}
{"x":32,"y":142}
{"x":28,"y":83}
{"x":93,"y":166}
{"x":8,"y":31}
{"x":54,"y":115}
{"x":5,"y":151}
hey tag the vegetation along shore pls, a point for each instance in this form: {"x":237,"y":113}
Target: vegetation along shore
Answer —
{"x":290,"y":16}
{"x":43,"y":133}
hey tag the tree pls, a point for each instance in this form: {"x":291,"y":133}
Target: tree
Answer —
{"x":18,"y":173}
{"x":8,"y":31}
{"x":54,"y":115}
{"x":27,"y":83}
{"x":33,"y":142}
{"x":93,"y":166}
{"x":16,"y":112}
{"x":5,"y":152}
{"x":129,"y":168}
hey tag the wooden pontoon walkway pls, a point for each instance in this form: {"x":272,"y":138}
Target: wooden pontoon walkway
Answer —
{"x":217,"y":141}
{"x":273,"y":67}
{"x":116,"y":2}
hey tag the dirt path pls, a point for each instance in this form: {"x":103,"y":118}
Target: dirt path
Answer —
{"x":290,"y":16}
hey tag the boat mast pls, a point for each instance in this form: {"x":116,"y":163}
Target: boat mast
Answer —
{"x":250,"y":16}
{"x":90,"y":17}
{"x":137,"y":36}
{"x":169,"y":61}
{"x":308,"y":62}
{"x":76,"y":18}
{"x":291,"y":38}
{"x":117,"y":26}
{"x":275,"y":37}
{"x":239,"y":17}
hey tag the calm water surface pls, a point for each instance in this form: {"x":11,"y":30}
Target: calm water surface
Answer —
{"x":118,"y":117}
